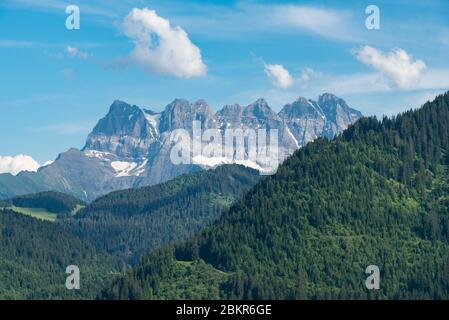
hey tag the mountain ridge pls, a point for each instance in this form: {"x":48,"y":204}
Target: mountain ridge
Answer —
{"x":375,"y":195}
{"x":131,"y":146}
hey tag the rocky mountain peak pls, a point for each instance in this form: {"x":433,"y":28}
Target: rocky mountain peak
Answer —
{"x":119,"y":106}
{"x":230,"y":110}
{"x":330,"y":103}
{"x":181,"y":114}
{"x":117,"y":131}
{"x":259,"y":109}
{"x":201,"y":103}
{"x":327,"y":97}
{"x":203,"y":108}
{"x":131,"y":146}
{"x":334,"y":106}
{"x":121,"y":118}
{"x":302,"y":107}
{"x":139,"y":139}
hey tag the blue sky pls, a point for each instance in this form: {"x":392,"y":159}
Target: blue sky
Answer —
{"x":56,"y":83}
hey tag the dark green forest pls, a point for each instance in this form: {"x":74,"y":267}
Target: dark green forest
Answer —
{"x":128,"y":223}
{"x":34,"y":255}
{"x":51,"y":201}
{"x":378,"y":194}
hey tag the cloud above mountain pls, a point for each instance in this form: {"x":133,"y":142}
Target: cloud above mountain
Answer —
{"x":279,"y":76}
{"x":63,"y":128}
{"x":74,"y":52}
{"x":309,"y":74}
{"x":18,"y":163}
{"x":160,"y":47}
{"x":397,"y":66}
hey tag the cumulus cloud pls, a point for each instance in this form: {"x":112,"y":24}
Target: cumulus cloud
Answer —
{"x":161,"y":48}
{"x":75,"y":52}
{"x":18,"y":163}
{"x":397,"y":66}
{"x":279,"y":76}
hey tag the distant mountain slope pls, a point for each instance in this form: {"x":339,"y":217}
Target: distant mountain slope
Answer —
{"x":34,"y":255}
{"x":130,"y":147}
{"x":129,"y":222}
{"x":376,"y":195}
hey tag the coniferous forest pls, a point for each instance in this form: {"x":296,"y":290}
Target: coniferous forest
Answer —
{"x":108,"y":234}
{"x":55,"y":202}
{"x":34,"y":256}
{"x":378,"y":194}
{"x":221,"y":159}
{"x":127,"y":223}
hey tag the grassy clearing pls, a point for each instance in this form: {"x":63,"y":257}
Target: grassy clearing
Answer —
{"x":40,"y":213}
{"x":37,"y":213}
{"x":77,"y":208}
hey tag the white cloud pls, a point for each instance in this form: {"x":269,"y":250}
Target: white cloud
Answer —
{"x":279,"y":76}
{"x":71,"y":51}
{"x":75,"y":52}
{"x":100,"y":8}
{"x":22,"y":44}
{"x":248,"y":18}
{"x":63,"y":128}
{"x":161,"y":48}
{"x":324,"y":22}
{"x":309,"y":74}
{"x":374,"y":82}
{"x":396,"y":66}
{"x":18,"y":163}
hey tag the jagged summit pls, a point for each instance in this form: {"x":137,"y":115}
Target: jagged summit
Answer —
{"x":302,"y":107}
{"x":259,"y":109}
{"x":131,"y":146}
{"x":130,"y":132}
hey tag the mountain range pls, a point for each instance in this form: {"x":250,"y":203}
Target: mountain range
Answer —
{"x":376,"y":195}
{"x":131,"y":146}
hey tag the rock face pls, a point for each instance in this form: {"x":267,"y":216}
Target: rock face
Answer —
{"x":131,"y":146}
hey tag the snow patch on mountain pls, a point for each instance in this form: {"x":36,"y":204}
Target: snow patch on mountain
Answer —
{"x":140,"y":169}
{"x":123,"y":168}
{"x":98,"y":154}
{"x":212,"y":162}
{"x":292,"y":136}
{"x":153,"y":119}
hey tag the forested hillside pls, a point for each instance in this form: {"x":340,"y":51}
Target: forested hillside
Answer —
{"x":55,"y":202}
{"x":34,"y":255}
{"x":376,"y":195}
{"x":129,"y":222}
